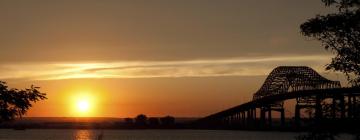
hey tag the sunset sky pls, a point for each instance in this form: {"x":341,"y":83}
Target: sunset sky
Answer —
{"x":120,"y":58}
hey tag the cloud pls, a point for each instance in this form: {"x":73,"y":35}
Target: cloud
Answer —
{"x":151,"y":69}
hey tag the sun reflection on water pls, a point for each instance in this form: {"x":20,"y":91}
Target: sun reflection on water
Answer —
{"x":84,"y":135}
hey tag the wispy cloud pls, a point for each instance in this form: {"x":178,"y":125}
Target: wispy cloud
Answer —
{"x":151,"y":69}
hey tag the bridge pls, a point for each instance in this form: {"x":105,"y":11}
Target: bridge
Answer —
{"x":310,"y":91}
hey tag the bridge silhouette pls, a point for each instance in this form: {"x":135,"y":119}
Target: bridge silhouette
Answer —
{"x":302,"y":83}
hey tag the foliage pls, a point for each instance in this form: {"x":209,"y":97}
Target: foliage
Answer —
{"x":15,"y":103}
{"x":339,"y":32}
{"x":342,"y":4}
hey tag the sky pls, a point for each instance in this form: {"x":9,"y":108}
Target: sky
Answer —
{"x":159,"y":57}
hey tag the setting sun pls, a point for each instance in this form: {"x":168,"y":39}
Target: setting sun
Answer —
{"x":83,"y":106}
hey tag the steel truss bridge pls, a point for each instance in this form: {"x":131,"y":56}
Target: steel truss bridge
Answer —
{"x":306,"y":86}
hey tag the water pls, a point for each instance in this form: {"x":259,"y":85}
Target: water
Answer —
{"x":72,"y":134}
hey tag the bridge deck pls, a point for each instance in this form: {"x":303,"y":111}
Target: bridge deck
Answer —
{"x":281,"y":97}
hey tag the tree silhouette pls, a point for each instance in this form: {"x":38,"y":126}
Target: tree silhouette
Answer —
{"x":167,"y":120}
{"x":128,"y":121}
{"x":339,"y":32}
{"x":153,"y":121}
{"x":15,"y":103}
{"x":141,"y":120}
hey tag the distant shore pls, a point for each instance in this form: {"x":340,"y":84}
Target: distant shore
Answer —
{"x":89,"y":123}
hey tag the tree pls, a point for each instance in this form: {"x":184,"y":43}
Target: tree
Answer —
{"x":339,"y":32}
{"x":153,"y":121}
{"x":15,"y":103}
{"x":141,"y":120}
{"x":167,"y":120}
{"x":128,"y":121}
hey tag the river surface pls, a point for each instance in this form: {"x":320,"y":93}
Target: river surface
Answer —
{"x":73,"y":134}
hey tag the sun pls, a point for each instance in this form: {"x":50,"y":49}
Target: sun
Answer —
{"x":83,"y":105}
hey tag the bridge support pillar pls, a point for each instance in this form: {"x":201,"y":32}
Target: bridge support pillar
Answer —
{"x":350,"y":106}
{"x":237,"y":118}
{"x":333,"y":107}
{"x":282,"y":113}
{"x":248,"y":118}
{"x":297,"y":115}
{"x":354,"y":107}
{"x":338,"y":106}
{"x":318,"y":108}
{"x":262,"y":117}
{"x":269,"y":118}
{"x":266,"y":115}
{"x":342,"y":107}
{"x":243,"y":118}
{"x":254,"y":114}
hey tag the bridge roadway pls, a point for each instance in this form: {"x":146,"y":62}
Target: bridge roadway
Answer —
{"x":282,"y":97}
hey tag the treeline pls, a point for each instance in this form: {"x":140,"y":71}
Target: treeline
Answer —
{"x":142,"y":121}
{"x":139,"y":122}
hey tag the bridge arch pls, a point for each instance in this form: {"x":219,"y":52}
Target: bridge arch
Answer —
{"x":285,"y":79}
